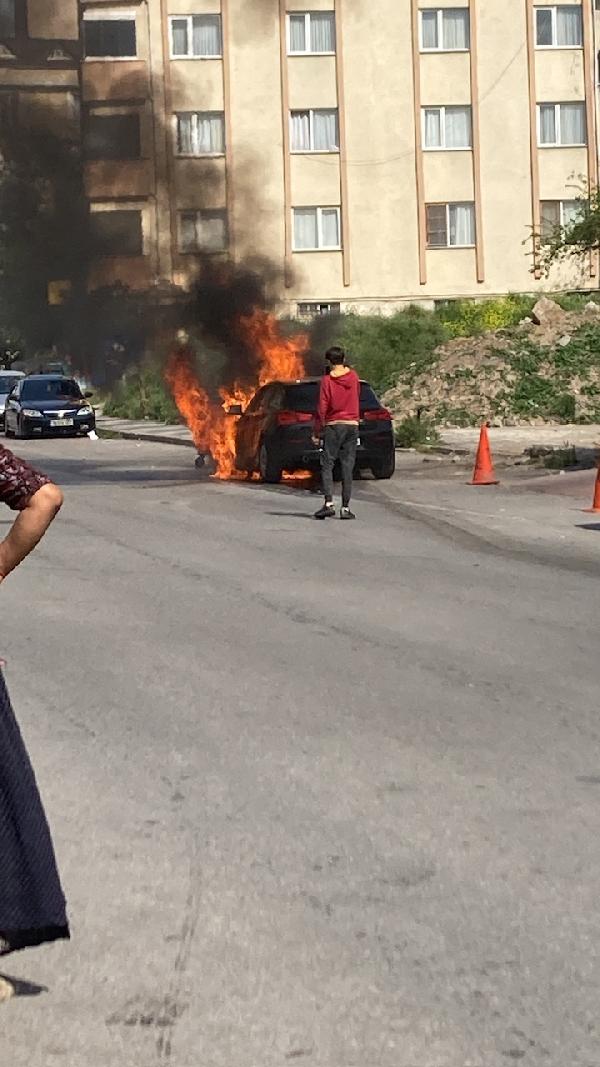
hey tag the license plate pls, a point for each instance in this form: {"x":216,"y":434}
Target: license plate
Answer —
{"x":62,"y":422}
{"x":358,"y":442}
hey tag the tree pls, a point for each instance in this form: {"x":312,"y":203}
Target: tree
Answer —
{"x":579,"y":237}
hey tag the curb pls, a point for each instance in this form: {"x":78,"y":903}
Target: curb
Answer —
{"x":131,"y":435}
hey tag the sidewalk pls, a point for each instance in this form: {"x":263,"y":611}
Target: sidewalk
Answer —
{"x":146,"y":430}
{"x":514,"y":440}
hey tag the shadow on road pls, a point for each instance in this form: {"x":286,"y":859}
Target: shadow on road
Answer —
{"x":24,"y":989}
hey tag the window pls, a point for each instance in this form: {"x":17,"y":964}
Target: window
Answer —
{"x":202,"y":231}
{"x":557,"y":214}
{"x":316,"y":228}
{"x":308,"y":309}
{"x":200,"y":133}
{"x":450,"y":225}
{"x":559,"y":27}
{"x":112,"y":137}
{"x":314,"y":131}
{"x":446,"y":127}
{"x":108,"y":36}
{"x":117,"y":233}
{"x":196,"y":37}
{"x":561,"y":124}
{"x":311,"y":33}
{"x":7,"y":18}
{"x":445,"y":29}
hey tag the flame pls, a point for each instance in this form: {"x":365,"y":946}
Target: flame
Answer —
{"x":276,"y":358}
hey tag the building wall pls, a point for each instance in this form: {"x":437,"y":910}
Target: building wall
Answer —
{"x":381,"y":179}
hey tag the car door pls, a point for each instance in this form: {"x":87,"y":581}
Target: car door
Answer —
{"x":245,"y":433}
{"x":12,"y":408}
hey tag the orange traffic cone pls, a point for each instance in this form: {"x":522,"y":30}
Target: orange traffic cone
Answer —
{"x":596,"y":504}
{"x":484,"y":473}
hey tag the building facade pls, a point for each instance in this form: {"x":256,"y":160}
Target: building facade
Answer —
{"x":374,"y":153}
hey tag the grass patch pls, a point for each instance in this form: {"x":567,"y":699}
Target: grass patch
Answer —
{"x":416,"y":433}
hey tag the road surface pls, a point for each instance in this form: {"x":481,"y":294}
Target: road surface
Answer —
{"x":322,"y":794}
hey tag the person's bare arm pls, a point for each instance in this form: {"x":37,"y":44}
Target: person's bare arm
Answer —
{"x":29,"y":528}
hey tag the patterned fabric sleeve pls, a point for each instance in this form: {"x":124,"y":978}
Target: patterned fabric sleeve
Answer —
{"x":18,"y":481}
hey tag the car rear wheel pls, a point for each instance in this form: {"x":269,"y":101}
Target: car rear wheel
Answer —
{"x":269,"y":469}
{"x":384,"y":468}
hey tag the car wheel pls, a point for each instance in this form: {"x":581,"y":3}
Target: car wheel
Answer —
{"x":269,"y":470}
{"x":384,"y":468}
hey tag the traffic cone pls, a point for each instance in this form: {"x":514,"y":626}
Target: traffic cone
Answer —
{"x":484,"y":473}
{"x":596,"y":504}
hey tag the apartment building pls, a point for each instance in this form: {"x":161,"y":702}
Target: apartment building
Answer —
{"x":39,"y":64}
{"x":377,"y":153}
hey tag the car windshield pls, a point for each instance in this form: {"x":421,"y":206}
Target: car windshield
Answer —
{"x":51,"y":389}
{"x":305,"y":396}
{"x":7,"y":384}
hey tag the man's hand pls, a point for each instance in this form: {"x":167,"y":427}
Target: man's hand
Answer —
{"x":316,"y":440}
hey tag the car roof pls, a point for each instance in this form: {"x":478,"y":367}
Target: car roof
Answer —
{"x":12,"y":374}
{"x":303,"y":381}
{"x":50,"y":377}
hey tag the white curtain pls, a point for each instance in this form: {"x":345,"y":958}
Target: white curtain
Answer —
{"x":305,"y":228}
{"x":458,"y":127}
{"x":572,"y":211}
{"x":212,"y":232}
{"x":433,"y":127}
{"x":325,"y":131}
{"x":7,"y":18}
{"x":543,"y":27}
{"x":298,"y":33}
{"x":548,"y":124}
{"x":206,"y":35}
{"x":179,"y":29}
{"x":201,"y":134}
{"x":330,"y":228}
{"x":322,"y":31}
{"x":300,"y":131}
{"x":568,"y":26}
{"x":461,"y":221}
{"x":429,"y":29}
{"x":456,"y":28}
{"x":549,"y":218}
{"x":572,"y":124}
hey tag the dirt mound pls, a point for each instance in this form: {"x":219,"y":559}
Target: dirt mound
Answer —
{"x":547,"y":369}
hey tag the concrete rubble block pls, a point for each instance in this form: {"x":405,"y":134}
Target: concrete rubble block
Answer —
{"x":547,"y":312}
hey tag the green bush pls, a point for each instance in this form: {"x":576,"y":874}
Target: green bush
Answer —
{"x":382,"y":348}
{"x":469,"y":318}
{"x":142,"y":395}
{"x":415,"y":433}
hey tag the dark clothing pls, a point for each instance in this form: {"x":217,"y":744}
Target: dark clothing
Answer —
{"x":339,"y":399}
{"x":32,"y":905}
{"x":339,"y":442}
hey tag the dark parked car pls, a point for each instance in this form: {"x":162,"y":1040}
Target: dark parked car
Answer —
{"x":274,"y":434}
{"x":48,"y":404}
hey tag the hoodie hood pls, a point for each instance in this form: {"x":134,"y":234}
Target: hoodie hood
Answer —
{"x":346,"y":380}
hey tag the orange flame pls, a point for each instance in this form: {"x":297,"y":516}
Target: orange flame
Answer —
{"x":277,"y":358}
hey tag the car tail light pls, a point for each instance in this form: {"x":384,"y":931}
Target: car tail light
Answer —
{"x":291,"y":418}
{"x":378,"y":415}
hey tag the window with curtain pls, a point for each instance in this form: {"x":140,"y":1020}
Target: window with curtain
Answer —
{"x":559,"y":26}
{"x":316,"y":228}
{"x":556,"y":215}
{"x":311,"y":32}
{"x":7,"y":18}
{"x":202,"y":231}
{"x":314,"y":130}
{"x":450,"y":225}
{"x":200,"y":133}
{"x":561,"y":124}
{"x":445,"y":29}
{"x":196,"y":37}
{"x":447,"y":127}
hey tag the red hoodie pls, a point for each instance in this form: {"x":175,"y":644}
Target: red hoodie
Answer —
{"x":339,"y":400}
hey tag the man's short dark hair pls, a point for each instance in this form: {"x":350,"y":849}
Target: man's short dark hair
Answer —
{"x":335,"y":355}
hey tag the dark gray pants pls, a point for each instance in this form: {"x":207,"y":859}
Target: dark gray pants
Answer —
{"x":339,"y":443}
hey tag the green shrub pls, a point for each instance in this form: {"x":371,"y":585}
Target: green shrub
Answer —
{"x":414,"y":433}
{"x":143,"y":395}
{"x":382,"y":348}
{"x":469,"y":318}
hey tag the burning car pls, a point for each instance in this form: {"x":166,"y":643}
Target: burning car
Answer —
{"x":274,"y":433}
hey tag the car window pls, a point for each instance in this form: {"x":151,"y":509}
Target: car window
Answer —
{"x":368,"y":400}
{"x":302,"y":397}
{"x":7,"y":383}
{"x":257,"y":402}
{"x":51,"y":389}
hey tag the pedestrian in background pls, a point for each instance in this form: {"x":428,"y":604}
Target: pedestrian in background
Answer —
{"x":32,"y":905}
{"x":336,"y":428}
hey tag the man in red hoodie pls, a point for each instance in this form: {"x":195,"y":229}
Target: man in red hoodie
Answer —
{"x":336,"y":426}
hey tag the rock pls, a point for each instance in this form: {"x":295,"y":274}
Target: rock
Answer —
{"x":547,"y":312}
{"x":592,"y":306}
{"x":564,"y":340}
{"x":527,"y":321}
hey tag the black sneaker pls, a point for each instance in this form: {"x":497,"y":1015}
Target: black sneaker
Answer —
{"x":345,"y":513}
{"x":326,"y":512}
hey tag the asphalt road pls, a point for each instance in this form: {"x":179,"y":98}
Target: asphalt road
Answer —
{"x":324,"y":794}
